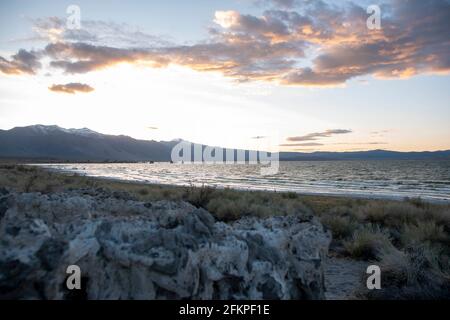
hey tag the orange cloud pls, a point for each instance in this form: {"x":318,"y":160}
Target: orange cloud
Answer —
{"x":71,"y":88}
{"x":414,"y":39}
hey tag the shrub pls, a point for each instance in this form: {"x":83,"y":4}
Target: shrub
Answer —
{"x":199,"y":196}
{"x":49,"y":188}
{"x":341,"y":226}
{"x":166,"y":193}
{"x":367,"y":243}
{"x":13,"y":180}
{"x":416,"y":273}
{"x":68,"y":180}
{"x":26,"y":169}
{"x":30,"y":182}
{"x":418,"y":202}
{"x":441,"y":215}
{"x":289,"y":195}
{"x":143,"y":191}
{"x":226,"y":209}
{"x":391,"y":214}
{"x":292,"y":207}
{"x":423,"y":231}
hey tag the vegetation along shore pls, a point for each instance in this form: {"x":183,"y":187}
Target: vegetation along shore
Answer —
{"x":409,"y":239}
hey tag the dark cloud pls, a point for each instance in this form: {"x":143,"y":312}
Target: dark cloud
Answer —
{"x":153,"y":128}
{"x":259,"y":137}
{"x":414,"y":39}
{"x":82,"y":57}
{"x":243,"y":61}
{"x":71,"y":88}
{"x":268,"y":25}
{"x":23,"y":62}
{"x":309,"y":77}
{"x":318,"y":135}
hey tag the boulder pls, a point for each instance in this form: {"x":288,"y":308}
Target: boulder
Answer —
{"x":128,"y":249}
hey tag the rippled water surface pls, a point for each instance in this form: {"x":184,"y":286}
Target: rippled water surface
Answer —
{"x":384,"y":178}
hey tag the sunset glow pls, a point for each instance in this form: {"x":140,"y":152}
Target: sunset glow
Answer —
{"x":258,"y":73}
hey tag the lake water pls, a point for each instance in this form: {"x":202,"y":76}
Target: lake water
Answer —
{"x":429,"y":180}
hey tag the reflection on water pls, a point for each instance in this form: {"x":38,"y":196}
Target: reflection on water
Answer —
{"x":385,"y":178}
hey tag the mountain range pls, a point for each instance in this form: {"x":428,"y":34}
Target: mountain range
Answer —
{"x":53,"y":143}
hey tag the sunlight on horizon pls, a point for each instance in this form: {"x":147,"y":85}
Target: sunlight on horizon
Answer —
{"x":235,"y":84}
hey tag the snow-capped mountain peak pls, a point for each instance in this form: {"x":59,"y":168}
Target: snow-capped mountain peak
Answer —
{"x":44,"y":129}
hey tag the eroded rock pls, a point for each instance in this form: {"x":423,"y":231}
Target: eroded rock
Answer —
{"x":128,"y":249}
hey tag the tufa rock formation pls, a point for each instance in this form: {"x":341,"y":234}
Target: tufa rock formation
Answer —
{"x":128,"y":249}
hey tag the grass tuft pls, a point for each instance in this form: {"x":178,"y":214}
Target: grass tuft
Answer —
{"x":367,"y":243}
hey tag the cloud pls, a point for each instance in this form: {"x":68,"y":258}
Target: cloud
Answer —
{"x":24,"y":62}
{"x":303,"y":149}
{"x":316,"y":144}
{"x":268,"y":25}
{"x":309,"y":77}
{"x":286,"y":4}
{"x":259,"y":137}
{"x":317,"y":135}
{"x":380,"y":132}
{"x":104,"y":33}
{"x":71,"y":88}
{"x":82,"y":57}
{"x":312,"y":44}
{"x":226,"y":19}
{"x":374,"y":143}
{"x":309,"y":144}
{"x":359,"y":143}
{"x":242,"y":61}
{"x":413,"y":40}
{"x":153,"y":128}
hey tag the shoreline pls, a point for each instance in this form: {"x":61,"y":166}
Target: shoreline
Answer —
{"x":355,"y":195}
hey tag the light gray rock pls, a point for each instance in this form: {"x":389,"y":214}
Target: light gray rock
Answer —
{"x":128,"y":249}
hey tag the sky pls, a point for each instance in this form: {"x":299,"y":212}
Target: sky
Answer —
{"x":289,"y":75}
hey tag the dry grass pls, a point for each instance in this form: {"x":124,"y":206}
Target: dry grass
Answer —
{"x":368,"y":242}
{"x":341,"y":227}
{"x":423,"y":232}
{"x":389,"y":214}
{"x":421,"y":271}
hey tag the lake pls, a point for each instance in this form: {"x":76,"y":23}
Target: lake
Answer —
{"x":395,"y":179}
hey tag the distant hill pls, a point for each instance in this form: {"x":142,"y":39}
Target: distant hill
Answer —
{"x":54,"y":143}
{"x":365,"y":155}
